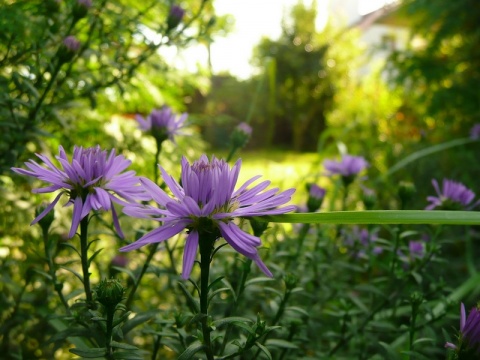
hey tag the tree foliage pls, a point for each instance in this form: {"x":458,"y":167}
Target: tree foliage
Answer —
{"x":440,"y":71}
{"x":41,"y":78}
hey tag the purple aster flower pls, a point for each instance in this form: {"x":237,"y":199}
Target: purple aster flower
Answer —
{"x":240,"y":135}
{"x":315,"y":197}
{"x":453,"y":196}
{"x":92,"y":180}
{"x":475,"y":132}
{"x":206,"y":202}
{"x":175,"y":16}
{"x":71,"y":43}
{"x":348,"y":166}
{"x":244,"y":128}
{"x":469,"y":339}
{"x":417,"y":249}
{"x":162,"y":124}
{"x":85,"y":3}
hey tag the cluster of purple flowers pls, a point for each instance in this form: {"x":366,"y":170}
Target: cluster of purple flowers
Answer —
{"x":361,"y":242}
{"x":205,"y":202}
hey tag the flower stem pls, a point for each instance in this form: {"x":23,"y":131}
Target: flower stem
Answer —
{"x":206,"y":247}
{"x":85,"y":262}
{"x":108,"y":335}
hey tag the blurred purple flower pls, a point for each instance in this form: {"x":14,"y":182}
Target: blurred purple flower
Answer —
{"x":417,"y":249}
{"x":175,"y":16}
{"x":206,"y":202}
{"x":315,"y":197}
{"x":475,"y":132}
{"x":469,"y":340}
{"x":244,"y":128}
{"x":71,"y":43}
{"x":162,"y":124}
{"x":361,"y":241}
{"x":348,"y":166}
{"x":86,"y":3}
{"x":453,"y":196}
{"x":92,"y":181}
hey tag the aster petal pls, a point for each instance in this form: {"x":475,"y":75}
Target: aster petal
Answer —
{"x":172,"y":184}
{"x":87,"y":206}
{"x":192,"y":206}
{"x":237,"y":243}
{"x":77,"y":211}
{"x":46,"y":189}
{"x":462,"y":316}
{"x":47,"y":209}
{"x":160,"y":234}
{"x":157,"y":194}
{"x":245,"y":185}
{"x":116,"y":223}
{"x":262,"y":266}
{"x":103,"y":198}
{"x":189,"y":254}
{"x":177,"y":209}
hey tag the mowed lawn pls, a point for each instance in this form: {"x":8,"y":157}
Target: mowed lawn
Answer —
{"x":285,"y":169}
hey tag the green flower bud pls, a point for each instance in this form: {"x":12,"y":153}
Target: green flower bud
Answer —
{"x":109,"y":292}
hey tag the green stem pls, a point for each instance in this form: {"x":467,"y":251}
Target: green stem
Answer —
{"x":232,"y":152}
{"x":85,"y":262}
{"x":206,"y":247}
{"x":108,"y":334}
{"x":51,"y":270}
{"x":153,"y":250}
{"x":155,"y":163}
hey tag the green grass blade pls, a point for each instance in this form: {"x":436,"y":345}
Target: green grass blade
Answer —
{"x":432,"y":217}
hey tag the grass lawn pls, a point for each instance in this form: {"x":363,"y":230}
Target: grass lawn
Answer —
{"x":285,"y":169}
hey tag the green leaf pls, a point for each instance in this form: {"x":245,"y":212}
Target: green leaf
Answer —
{"x":137,"y":320}
{"x":123,"y":346}
{"x":391,"y":354}
{"x":283,"y":344}
{"x":229,"y":320}
{"x":191,"y":350}
{"x":432,"y":217}
{"x":90,"y":259}
{"x":70,"y":332}
{"x":73,"y":272}
{"x":128,"y":355}
{"x":214,"y":282}
{"x":264,"y":350}
{"x":89,"y":353}
{"x":425,"y":152}
{"x":257,"y":280}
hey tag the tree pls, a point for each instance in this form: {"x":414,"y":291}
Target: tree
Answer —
{"x":441,"y":75}
{"x":54,"y":53}
{"x":309,"y":69}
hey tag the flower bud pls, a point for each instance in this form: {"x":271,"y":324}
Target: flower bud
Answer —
{"x":69,"y":47}
{"x":406,"y":192}
{"x":80,"y":9}
{"x":241,"y":135}
{"x":109,"y":292}
{"x":316,"y":194}
{"x":175,"y":17}
{"x":369,"y":198}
